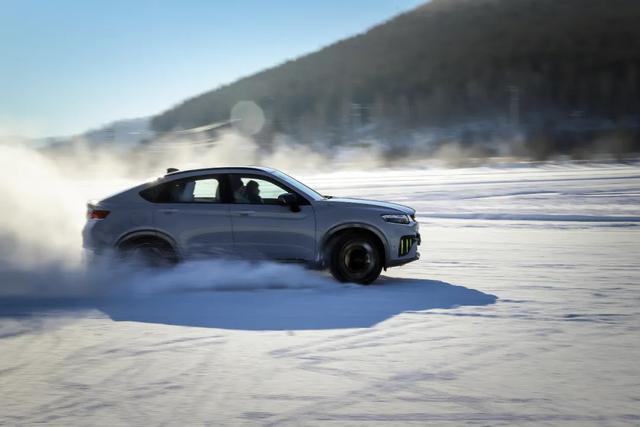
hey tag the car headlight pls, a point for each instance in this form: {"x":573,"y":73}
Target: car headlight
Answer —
{"x":397,"y":218}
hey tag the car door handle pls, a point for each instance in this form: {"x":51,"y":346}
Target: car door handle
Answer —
{"x":168,"y":211}
{"x":245,"y":213}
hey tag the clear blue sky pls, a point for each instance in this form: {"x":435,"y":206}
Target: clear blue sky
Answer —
{"x":66,"y":66}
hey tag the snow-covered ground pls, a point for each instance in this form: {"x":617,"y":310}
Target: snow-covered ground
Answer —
{"x":524,"y":309}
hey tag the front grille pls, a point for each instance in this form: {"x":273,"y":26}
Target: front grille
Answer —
{"x":406,"y":243}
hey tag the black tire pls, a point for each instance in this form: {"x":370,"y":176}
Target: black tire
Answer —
{"x":148,"y":252}
{"x":355,"y":258}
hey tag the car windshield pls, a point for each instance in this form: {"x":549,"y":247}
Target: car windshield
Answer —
{"x":310,"y":191}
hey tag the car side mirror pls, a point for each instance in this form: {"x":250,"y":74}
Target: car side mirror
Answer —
{"x":291,"y":200}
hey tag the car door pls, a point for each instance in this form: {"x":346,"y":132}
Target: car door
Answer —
{"x":262,"y":228}
{"x":193,"y":211}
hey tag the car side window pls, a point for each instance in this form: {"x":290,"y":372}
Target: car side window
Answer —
{"x":189,"y":190}
{"x":254,"y":190}
{"x":205,"y":190}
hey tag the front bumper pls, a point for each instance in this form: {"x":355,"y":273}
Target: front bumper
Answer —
{"x":407,"y":243}
{"x":404,"y":247}
{"x":401,"y":261}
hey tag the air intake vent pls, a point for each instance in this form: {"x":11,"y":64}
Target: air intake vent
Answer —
{"x":406,"y":243}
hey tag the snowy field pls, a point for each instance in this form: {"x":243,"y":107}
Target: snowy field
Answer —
{"x":523,"y":310}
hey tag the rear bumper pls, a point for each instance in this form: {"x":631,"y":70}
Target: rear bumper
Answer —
{"x":93,"y":238}
{"x":88,"y":242}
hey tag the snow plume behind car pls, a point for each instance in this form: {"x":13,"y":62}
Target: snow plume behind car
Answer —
{"x":45,"y":189}
{"x":44,"y":197}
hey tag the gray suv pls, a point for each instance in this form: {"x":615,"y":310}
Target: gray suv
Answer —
{"x":252,"y":213}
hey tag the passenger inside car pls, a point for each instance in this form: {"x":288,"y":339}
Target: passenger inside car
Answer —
{"x":238,"y":189}
{"x":252,"y":192}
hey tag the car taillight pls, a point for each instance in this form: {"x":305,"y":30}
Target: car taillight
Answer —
{"x":97,"y":213}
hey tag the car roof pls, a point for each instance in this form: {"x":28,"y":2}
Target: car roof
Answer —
{"x":226,"y":169}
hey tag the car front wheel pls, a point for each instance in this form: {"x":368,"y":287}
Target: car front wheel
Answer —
{"x":355,"y":258}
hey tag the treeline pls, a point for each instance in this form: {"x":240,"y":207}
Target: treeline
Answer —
{"x":563,"y":73}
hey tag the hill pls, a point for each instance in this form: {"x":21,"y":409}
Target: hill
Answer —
{"x":563,"y":73}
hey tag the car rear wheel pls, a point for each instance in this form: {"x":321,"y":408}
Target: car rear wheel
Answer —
{"x":150,"y":253}
{"x":355,"y":258}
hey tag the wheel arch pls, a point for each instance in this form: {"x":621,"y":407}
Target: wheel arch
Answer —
{"x":149,"y":234}
{"x":338,"y":230}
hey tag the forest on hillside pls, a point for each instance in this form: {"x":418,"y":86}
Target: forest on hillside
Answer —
{"x":561,"y":75}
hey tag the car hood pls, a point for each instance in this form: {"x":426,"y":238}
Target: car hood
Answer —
{"x":386,"y":205}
